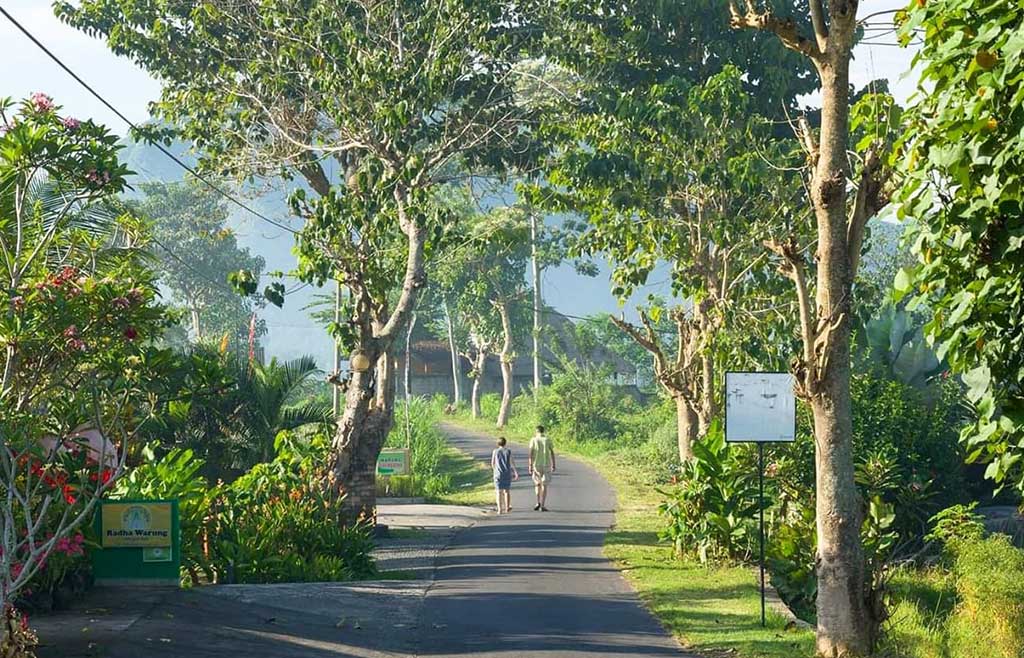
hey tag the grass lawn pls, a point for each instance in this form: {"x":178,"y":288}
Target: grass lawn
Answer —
{"x":712,"y":611}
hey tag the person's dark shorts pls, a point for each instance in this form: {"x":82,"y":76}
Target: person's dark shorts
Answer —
{"x":503,"y":482}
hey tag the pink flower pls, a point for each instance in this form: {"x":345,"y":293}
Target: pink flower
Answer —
{"x":98,"y":178}
{"x":120,"y":303}
{"x":71,"y":123}
{"x":130,"y":333}
{"x":18,"y":302}
{"x":76,"y":344}
{"x":41,"y":102}
{"x":71,"y":331}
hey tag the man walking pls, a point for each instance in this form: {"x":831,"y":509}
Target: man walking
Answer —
{"x":541,"y":465}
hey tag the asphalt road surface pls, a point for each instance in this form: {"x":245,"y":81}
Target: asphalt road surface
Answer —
{"x":536,"y":583}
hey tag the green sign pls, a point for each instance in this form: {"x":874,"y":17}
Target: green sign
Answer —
{"x":393,"y":461}
{"x":141,"y":543}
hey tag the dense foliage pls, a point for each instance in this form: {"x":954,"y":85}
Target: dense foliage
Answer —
{"x":77,"y":323}
{"x":964,"y":158}
{"x":279,"y":522}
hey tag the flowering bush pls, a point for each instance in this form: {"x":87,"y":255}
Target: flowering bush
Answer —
{"x":77,"y":319}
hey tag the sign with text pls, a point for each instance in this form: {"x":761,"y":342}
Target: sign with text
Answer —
{"x":760,"y":407}
{"x":136,"y":525}
{"x":393,"y":461}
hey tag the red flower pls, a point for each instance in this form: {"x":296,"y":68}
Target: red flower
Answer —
{"x":130,"y":333}
{"x":18,"y":302}
{"x":69,"y":494}
{"x":103,"y":476}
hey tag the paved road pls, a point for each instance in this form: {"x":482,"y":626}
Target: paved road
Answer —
{"x":536,"y":584}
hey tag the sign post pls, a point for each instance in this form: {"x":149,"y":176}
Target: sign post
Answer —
{"x":393,"y":461}
{"x":140,"y":543}
{"x":760,"y":408}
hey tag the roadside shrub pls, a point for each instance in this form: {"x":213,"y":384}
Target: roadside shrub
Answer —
{"x":583,"y":404}
{"x":711,"y":511}
{"x":277,"y":519}
{"x":279,"y":522}
{"x":989,"y":621}
{"x":178,"y":474}
{"x":957,"y":524}
{"x":790,"y":557}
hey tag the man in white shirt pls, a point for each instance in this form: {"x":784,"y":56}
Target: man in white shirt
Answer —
{"x":542,"y":465}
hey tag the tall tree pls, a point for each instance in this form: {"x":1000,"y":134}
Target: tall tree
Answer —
{"x":843,"y":198}
{"x":388,"y":94}
{"x":963,"y":167}
{"x":689,"y":184}
{"x":197,"y":252}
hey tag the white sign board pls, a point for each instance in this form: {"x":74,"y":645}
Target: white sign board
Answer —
{"x":759,"y":407}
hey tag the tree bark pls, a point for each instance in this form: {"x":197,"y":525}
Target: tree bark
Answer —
{"x":845,"y":625}
{"x":506,"y":364}
{"x":456,"y":370}
{"x":368,"y":414}
{"x":537,"y":321}
{"x":481,"y":363}
{"x":686,"y":428}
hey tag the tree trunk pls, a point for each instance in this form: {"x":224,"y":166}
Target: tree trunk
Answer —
{"x":369,"y":402}
{"x":481,"y":363}
{"x":456,"y":370}
{"x":686,"y":428}
{"x":362,"y":430}
{"x":845,"y":626}
{"x":708,"y":408}
{"x":537,"y":326}
{"x":506,"y":365}
{"x":196,"y":327}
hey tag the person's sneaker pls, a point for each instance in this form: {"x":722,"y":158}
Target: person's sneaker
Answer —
{"x":543,"y":509}
{"x":536,"y":508}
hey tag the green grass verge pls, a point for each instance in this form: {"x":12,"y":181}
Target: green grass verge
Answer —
{"x":711,"y":611}
{"x":471,"y":481}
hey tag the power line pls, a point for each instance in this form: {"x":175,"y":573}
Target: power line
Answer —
{"x":135,"y":127}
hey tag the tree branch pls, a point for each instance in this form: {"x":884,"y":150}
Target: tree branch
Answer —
{"x":784,"y":28}
{"x":870,"y":199}
{"x":792,"y":266}
{"x":818,"y":21}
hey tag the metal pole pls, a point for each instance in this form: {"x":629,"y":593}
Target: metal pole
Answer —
{"x":537,"y":303}
{"x":760,"y":487}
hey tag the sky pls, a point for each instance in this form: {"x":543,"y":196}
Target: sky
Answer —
{"x":25,"y":69}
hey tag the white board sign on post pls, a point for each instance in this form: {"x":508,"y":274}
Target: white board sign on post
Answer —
{"x":760,"y":407}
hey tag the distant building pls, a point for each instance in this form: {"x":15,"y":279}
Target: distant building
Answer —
{"x":431,"y":363}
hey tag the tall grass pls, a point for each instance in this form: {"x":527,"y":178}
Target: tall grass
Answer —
{"x":973,"y":610}
{"x":416,"y":428}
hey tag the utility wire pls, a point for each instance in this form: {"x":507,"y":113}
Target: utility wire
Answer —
{"x":135,"y":127}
